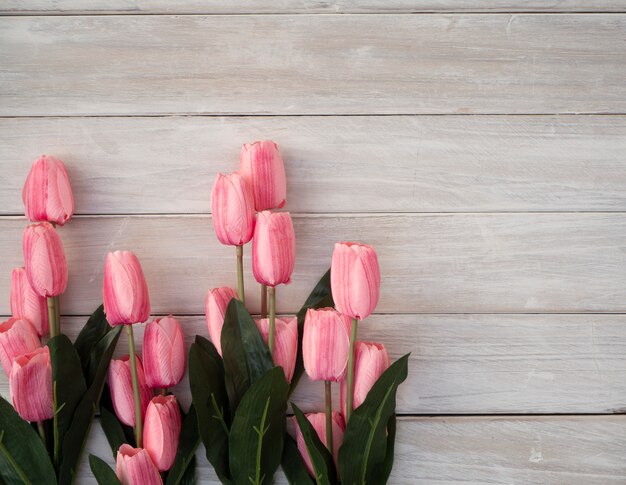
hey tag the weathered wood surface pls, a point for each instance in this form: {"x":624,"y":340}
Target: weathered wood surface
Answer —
{"x":312,"y":64}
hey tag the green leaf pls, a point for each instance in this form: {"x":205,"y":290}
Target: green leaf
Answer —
{"x":112,"y":429}
{"x":385,"y":470}
{"x":91,"y":333}
{"x":23,"y":457}
{"x":363,"y":455}
{"x":183,"y":469}
{"x":258,"y":430}
{"x":102,"y":472}
{"x":246,"y":357}
{"x":293,"y":465}
{"x":321,"y":459}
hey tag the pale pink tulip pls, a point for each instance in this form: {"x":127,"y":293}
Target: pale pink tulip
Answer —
{"x":134,"y":467}
{"x":232,"y":207}
{"x":217,"y":300}
{"x":162,"y":430}
{"x":121,"y":385}
{"x":273,"y":248}
{"x":318,"y":421}
{"x":262,"y":167}
{"x":44,"y":259}
{"x":355,"y":279}
{"x":31,"y":385}
{"x":47,"y":194}
{"x":17,"y":337}
{"x":125,"y":291}
{"x":163,"y":353}
{"x":26,"y":303}
{"x":285,"y":342}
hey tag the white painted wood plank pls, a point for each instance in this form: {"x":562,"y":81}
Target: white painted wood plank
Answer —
{"x":428,"y":163}
{"x":312,"y":64}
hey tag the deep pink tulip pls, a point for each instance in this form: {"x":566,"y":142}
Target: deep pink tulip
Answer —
{"x":232,"y":207}
{"x":125,"y":291}
{"x":325,"y":344}
{"x":318,"y":420}
{"x":31,"y":385}
{"x":17,"y":337}
{"x":26,"y":303}
{"x":263,"y":169}
{"x":121,"y":385}
{"x":163,"y":353}
{"x":371,"y":360}
{"x":355,"y":279}
{"x":47,"y":194}
{"x":134,"y":467}
{"x":46,"y":267}
{"x":273,"y":248}
{"x":217,"y":300}
{"x":285,"y":342}
{"x":162,"y":430}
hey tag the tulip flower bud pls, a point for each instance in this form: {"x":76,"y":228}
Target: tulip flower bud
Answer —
{"x":162,"y":430}
{"x":125,"y":291}
{"x":318,"y":421}
{"x":355,"y":279}
{"x":263,"y":169}
{"x":47,"y":194}
{"x":17,"y":337}
{"x":121,"y":385}
{"x":31,"y":385}
{"x":217,"y":301}
{"x":27,"y":304}
{"x":232,"y":207}
{"x":45,"y":259}
{"x":273,"y":248}
{"x":371,"y":360}
{"x":285,"y":342}
{"x":325,"y":344}
{"x":134,"y":467}
{"x":163,"y":353}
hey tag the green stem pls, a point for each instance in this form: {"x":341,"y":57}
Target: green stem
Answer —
{"x":55,"y":423}
{"x":12,"y":462}
{"x":240,"y":291}
{"x":350,"y":382}
{"x":58,"y":313}
{"x":260,"y":432}
{"x":263,"y":301}
{"x":52,"y":316}
{"x":270,"y":338}
{"x":329,"y":416}
{"x":137,"y":397}
{"x":42,"y":432}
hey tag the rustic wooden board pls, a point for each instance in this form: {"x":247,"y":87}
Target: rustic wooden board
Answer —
{"x":312,"y":64}
{"x":404,"y":163}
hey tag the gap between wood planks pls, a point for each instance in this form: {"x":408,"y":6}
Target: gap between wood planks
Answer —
{"x":118,"y":13}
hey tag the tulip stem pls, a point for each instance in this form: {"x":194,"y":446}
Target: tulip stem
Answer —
{"x":350,"y":383}
{"x":52,"y":315}
{"x":42,"y":432}
{"x":240,"y":291}
{"x":270,"y":338}
{"x":329,"y":416}
{"x":137,"y":397}
{"x":263,"y":301}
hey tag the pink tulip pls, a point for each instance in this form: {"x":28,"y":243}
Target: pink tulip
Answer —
{"x":134,"y":467}
{"x":162,"y":430}
{"x":121,"y":385}
{"x":273,"y":248}
{"x":318,"y":420}
{"x":371,"y":360}
{"x":45,"y":259}
{"x":325,"y":344}
{"x":125,"y":291}
{"x":28,"y":304}
{"x":217,"y":301}
{"x":263,"y":169}
{"x":355,"y":279}
{"x":17,"y":337}
{"x":47,"y":194}
{"x":285,"y":342}
{"x":232,"y":205}
{"x":31,"y":385}
{"x":163,"y":353}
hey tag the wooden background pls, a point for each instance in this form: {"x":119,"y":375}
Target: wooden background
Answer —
{"x":479,"y":145}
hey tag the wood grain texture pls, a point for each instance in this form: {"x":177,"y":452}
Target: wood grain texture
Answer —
{"x":312,"y":64}
{"x":404,"y":163}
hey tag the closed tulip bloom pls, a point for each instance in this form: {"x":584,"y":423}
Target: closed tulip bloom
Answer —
{"x":325,"y":344}
{"x":355,"y":279}
{"x":217,"y":301}
{"x":44,"y":256}
{"x":318,"y":421}
{"x":31,"y":385}
{"x":17,"y":337}
{"x":47,"y":194}
{"x":163,"y":353}
{"x":285,"y":342}
{"x":162,"y":430}
{"x":121,"y":385}
{"x":26,"y":303}
{"x":125,"y":291}
{"x":263,"y":169}
{"x":273,"y":248}
{"x":232,"y":207}
{"x":134,"y":467}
